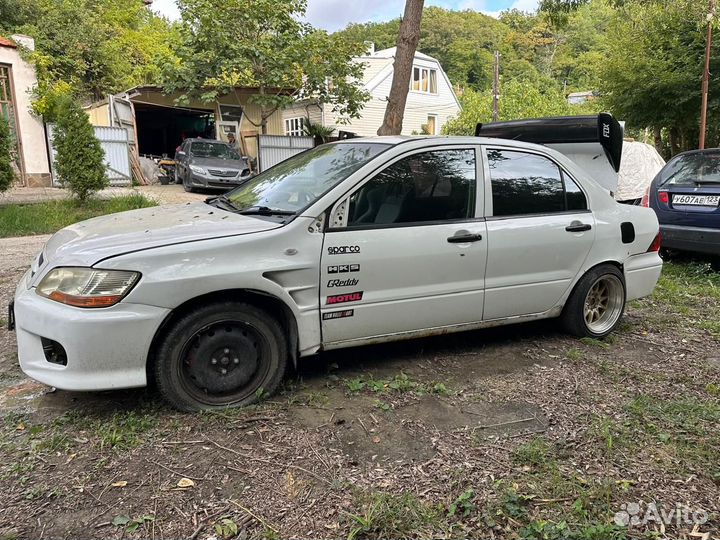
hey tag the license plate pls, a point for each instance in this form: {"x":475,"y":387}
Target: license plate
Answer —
{"x":697,"y":200}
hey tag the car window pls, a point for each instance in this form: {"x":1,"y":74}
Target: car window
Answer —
{"x":431,"y":186}
{"x":524,"y":183}
{"x":691,"y":169}
{"x":299,"y":181}
{"x":213,"y":150}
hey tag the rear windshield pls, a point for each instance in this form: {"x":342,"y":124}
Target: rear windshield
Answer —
{"x":692,"y":169}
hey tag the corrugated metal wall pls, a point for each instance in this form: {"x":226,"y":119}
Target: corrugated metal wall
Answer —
{"x":277,"y":148}
{"x":114,"y":142}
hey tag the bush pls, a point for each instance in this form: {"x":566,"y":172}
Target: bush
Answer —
{"x":7,"y":173}
{"x":80,"y":158}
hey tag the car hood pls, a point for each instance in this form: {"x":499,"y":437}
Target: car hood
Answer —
{"x":219,"y":163}
{"x":87,"y":242}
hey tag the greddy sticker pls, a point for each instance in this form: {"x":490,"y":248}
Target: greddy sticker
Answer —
{"x":342,"y":282}
{"x":342,"y":250}
{"x":342,"y":298}
{"x":338,"y":314}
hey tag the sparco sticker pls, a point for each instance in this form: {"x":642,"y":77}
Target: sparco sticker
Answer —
{"x":342,"y":298}
{"x":343,"y":250}
{"x":350,"y":282}
{"x":338,"y":314}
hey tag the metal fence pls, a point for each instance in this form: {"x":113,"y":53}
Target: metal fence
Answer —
{"x":114,"y":142}
{"x":272,"y":149}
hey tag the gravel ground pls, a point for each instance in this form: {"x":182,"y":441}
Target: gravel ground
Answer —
{"x":510,"y":432}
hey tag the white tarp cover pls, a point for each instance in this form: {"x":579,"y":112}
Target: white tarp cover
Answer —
{"x":639,"y":165}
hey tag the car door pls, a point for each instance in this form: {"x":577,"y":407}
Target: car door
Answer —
{"x":539,"y":232}
{"x":181,"y":158}
{"x":407,"y":251}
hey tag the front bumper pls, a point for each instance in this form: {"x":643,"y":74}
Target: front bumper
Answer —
{"x":694,"y":239}
{"x":216,"y":182}
{"x":106,"y":348}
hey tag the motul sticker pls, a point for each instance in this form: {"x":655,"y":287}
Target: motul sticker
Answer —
{"x":338,"y":314}
{"x":342,"y":298}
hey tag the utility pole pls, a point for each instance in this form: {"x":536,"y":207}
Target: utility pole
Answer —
{"x":706,"y":75}
{"x":496,"y":86}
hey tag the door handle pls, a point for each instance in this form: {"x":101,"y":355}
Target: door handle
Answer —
{"x":463,"y":238}
{"x":577,"y":226}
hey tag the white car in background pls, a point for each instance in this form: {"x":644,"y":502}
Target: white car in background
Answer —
{"x":356,"y":242}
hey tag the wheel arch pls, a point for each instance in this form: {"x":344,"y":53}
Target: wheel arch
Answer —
{"x":273,"y":305}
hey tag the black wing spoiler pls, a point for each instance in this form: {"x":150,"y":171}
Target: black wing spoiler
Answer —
{"x":603,"y":129}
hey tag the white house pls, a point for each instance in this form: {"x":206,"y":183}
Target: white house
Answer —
{"x":17,"y":79}
{"x":430,"y":103}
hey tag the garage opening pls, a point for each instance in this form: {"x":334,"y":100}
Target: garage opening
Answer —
{"x":160,"y":130}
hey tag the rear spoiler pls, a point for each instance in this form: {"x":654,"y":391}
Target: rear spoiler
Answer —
{"x":582,"y":138}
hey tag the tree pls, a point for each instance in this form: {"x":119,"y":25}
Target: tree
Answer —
{"x":7,"y":173}
{"x":263,"y":45}
{"x":80,"y":158}
{"x":407,"y":42}
{"x":95,"y":46}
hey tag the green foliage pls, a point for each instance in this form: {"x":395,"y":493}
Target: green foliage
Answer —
{"x":536,"y":453}
{"x":318,"y":131}
{"x":391,"y":516}
{"x":80,"y":158}
{"x":132,"y":525}
{"x":50,"y":216}
{"x":518,"y":100}
{"x":226,"y":528}
{"x":263,"y":44}
{"x":463,"y":506}
{"x":7,"y":173}
{"x":96,"y":46}
{"x":653,"y":68}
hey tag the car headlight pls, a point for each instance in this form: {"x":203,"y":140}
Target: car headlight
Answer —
{"x":87,"y":287}
{"x":198,"y":170}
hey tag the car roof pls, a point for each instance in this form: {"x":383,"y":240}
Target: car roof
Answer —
{"x":437,"y":139}
{"x":200,"y":139}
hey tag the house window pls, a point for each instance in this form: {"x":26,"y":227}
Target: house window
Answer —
{"x":424,"y":80}
{"x":295,"y":127}
{"x":7,"y":110}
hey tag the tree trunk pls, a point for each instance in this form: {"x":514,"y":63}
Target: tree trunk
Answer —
{"x":657,"y":135}
{"x":407,"y":43}
{"x":674,"y":141}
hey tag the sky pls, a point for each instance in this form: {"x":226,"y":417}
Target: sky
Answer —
{"x":333,"y":15}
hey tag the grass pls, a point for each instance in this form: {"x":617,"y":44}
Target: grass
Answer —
{"x":386,"y":515}
{"x":50,"y":216}
{"x":690,"y":290}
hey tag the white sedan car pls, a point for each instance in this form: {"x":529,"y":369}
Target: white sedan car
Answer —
{"x":356,"y":242}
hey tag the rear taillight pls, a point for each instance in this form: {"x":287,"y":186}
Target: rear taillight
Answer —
{"x":655,"y":246}
{"x":646,"y":198}
{"x":663,"y":197}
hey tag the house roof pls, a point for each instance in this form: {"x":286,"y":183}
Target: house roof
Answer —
{"x":390,"y":53}
{"x":5,"y":42}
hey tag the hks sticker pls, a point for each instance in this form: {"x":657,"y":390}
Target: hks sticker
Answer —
{"x":342,"y":250}
{"x":342,"y":298}
{"x":338,"y":314}
{"x":350,"y":282}
{"x":343,"y":268}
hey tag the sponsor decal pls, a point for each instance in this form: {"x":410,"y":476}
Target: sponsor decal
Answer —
{"x":343,"y":268}
{"x":350,"y":282}
{"x":342,"y":298}
{"x":343,"y":250}
{"x":338,"y":314}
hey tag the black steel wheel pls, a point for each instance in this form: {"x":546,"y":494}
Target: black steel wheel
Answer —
{"x":222,"y":355}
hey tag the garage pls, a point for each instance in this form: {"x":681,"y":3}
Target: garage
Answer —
{"x":161,"y":129}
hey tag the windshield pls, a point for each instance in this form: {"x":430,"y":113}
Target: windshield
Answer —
{"x":296,"y":183}
{"x":213,"y":150}
{"x":692,"y":169}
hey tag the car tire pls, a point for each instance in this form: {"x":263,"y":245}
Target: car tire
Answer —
{"x":187,"y":187}
{"x":596,"y":304}
{"x":221,"y":355}
{"x":715,"y":264}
